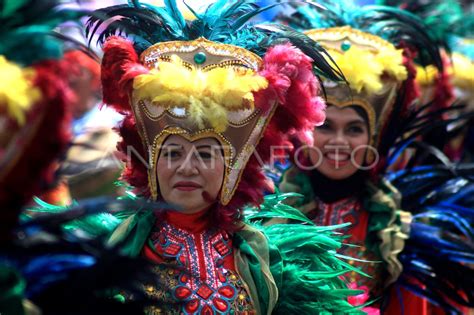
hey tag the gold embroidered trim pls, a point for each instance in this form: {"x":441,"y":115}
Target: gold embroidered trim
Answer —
{"x":162,"y":50}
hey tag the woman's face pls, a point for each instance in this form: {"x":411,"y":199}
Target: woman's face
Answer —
{"x":186,"y":170}
{"x":340,"y":144}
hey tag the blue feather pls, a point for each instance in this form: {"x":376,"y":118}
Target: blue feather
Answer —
{"x":44,"y":270}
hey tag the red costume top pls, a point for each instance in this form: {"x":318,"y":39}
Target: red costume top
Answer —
{"x":199,"y":267}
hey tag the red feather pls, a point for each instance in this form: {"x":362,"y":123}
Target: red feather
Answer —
{"x":120,"y":65}
{"x":291,"y":83}
{"x":44,"y":137}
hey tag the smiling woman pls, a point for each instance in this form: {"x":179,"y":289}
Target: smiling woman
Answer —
{"x":342,"y":141}
{"x":338,"y":176}
{"x":200,"y":98}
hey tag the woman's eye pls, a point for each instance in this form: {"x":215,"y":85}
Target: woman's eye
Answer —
{"x":324,"y":126}
{"x":355,"y":130}
{"x":205,"y":155}
{"x":172,"y":154}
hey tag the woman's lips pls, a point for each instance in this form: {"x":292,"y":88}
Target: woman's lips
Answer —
{"x":186,"y":186}
{"x":337,"y":158}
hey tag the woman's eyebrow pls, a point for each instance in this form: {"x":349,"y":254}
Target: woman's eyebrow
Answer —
{"x":206,"y":146}
{"x":356,"y":121}
{"x":172,"y":145}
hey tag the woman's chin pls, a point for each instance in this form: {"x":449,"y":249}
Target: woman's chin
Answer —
{"x":337,"y":174}
{"x":189,"y":204}
{"x":193,"y":208}
{"x":180,"y":195}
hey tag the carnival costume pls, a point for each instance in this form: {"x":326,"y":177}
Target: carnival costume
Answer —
{"x":453,"y":28}
{"x":374,"y":47}
{"x":448,"y":26}
{"x":43,"y":270}
{"x":30,"y":88}
{"x":247,"y":87}
{"x":463,"y":82}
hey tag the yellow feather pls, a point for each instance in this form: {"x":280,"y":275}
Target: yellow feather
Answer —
{"x":462,"y":72}
{"x":392,"y":63}
{"x":17,"y":92}
{"x":427,"y":75}
{"x":363,"y":69}
{"x":196,"y":111}
{"x":208,"y":96}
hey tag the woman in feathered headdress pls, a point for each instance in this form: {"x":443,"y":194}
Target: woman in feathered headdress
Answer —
{"x":462,"y":146}
{"x":34,"y":95}
{"x":368,"y":123}
{"x":444,"y":21}
{"x":43,"y":271}
{"x":34,"y":119}
{"x":205,"y":102}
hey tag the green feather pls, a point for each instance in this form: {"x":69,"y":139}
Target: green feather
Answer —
{"x":310,"y":280}
{"x":27,"y":34}
{"x":11,"y":6}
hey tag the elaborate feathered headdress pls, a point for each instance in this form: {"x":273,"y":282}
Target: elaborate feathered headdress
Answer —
{"x":441,"y":17}
{"x":462,"y":46}
{"x":34,"y":93}
{"x":374,"y":46}
{"x":461,"y":70}
{"x":444,"y":20}
{"x":453,"y":30}
{"x":215,"y":76}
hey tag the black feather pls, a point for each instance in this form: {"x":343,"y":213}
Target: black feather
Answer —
{"x":397,"y":26}
{"x":223,"y":21}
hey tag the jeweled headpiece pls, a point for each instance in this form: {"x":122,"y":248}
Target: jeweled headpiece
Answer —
{"x":374,"y":46}
{"x":216,"y":76}
{"x":374,"y":70}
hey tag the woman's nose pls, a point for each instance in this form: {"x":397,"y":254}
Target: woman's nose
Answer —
{"x":339,"y":138}
{"x":188,"y":166}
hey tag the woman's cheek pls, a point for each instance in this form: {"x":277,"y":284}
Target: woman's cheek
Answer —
{"x":215,"y":178}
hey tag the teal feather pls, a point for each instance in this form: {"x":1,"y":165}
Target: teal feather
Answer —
{"x":30,"y":24}
{"x":172,"y":17}
{"x":176,"y":13}
{"x":443,"y":18}
{"x":274,"y":207}
{"x":44,"y":207}
{"x":134,"y":3}
{"x":89,"y":218}
{"x":462,"y":46}
{"x":10,"y":7}
{"x":91,"y":226}
{"x":395,"y":25}
{"x":227,"y":22}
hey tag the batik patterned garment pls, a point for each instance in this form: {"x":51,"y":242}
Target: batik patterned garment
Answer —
{"x":196,"y":263}
{"x":350,"y":210}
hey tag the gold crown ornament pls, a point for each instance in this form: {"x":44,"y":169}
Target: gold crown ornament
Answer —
{"x":373,"y":68}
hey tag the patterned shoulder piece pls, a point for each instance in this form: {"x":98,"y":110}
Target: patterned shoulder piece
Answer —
{"x":388,"y":226}
{"x":305,"y":266}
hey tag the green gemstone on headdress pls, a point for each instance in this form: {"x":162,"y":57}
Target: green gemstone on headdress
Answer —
{"x":346,"y":45}
{"x":120,"y":298}
{"x":200,"y":58}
